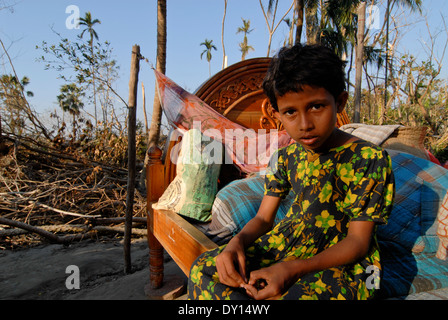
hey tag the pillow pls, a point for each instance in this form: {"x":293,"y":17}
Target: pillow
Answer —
{"x":403,"y":225}
{"x":236,"y":204}
{"x":434,"y":190}
{"x":194,"y":188}
{"x":442,"y":230}
{"x":420,"y":188}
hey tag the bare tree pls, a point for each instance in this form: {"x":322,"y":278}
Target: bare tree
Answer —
{"x":222,"y":36}
{"x":269,"y":17}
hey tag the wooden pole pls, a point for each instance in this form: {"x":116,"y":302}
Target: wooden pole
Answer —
{"x":359,"y":60}
{"x":132,"y":107}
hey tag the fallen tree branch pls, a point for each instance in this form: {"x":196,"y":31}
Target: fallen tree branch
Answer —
{"x":50,"y":236}
{"x":44,"y":231}
{"x":62,"y":211}
{"x":103,"y":221}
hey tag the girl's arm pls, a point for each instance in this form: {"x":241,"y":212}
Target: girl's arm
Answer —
{"x":279,"y":277}
{"x":231,"y":263}
{"x":261,"y":223}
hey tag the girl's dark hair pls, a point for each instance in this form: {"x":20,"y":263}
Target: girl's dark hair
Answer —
{"x":313,"y":65}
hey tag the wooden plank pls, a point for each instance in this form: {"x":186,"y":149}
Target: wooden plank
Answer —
{"x":183,"y":242}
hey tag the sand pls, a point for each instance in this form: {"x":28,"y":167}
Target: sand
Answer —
{"x":46,"y":272}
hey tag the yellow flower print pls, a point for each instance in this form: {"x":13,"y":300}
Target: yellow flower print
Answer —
{"x":291,"y":149}
{"x":210,"y":262}
{"x":308,"y":297}
{"x":205,"y":295}
{"x":314,"y":168}
{"x":301,"y":169}
{"x":367,"y":153}
{"x":325,"y":220}
{"x":277,"y":241}
{"x":340,"y":297}
{"x":305,"y":205}
{"x":196,"y":274}
{"x":345,"y":172}
{"x":215,"y":277}
{"x":350,"y":199}
{"x":325,"y":194}
{"x":319,"y":286}
{"x":340,"y":206}
{"x":371,"y":153}
{"x":389,"y":197}
{"x":327,"y":165}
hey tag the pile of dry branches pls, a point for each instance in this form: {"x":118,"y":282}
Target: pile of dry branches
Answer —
{"x":60,"y":196}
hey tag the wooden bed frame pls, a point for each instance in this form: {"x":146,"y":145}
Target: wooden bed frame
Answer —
{"x":236,"y":93}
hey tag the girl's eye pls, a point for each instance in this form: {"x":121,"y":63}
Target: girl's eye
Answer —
{"x":317,"y":106}
{"x":289,"y":112}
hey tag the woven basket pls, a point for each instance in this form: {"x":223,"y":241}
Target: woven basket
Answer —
{"x":408,"y":139}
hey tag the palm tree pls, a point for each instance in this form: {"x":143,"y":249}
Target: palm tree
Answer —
{"x":89,"y":23}
{"x":244,"y":46}
{"x":70,"y":101}
{"x":208,"y":50}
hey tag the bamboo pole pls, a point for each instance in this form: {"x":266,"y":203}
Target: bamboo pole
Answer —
{"x":132,"y":107}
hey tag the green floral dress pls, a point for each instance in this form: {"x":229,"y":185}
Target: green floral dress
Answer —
{"x":353,"y":182}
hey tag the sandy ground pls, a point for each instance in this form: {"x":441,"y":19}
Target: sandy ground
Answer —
{"x":40,"y":273}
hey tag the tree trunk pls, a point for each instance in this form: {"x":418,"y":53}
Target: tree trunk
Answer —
{"x":359,"y":61}
{"x":144,"y":110}
{"x":312,"y":24}
{"x":132,"y":107}
{"x":154,"y":131}
{"x":94,"y":83}
{"x":299,"y":5}
{"x":222,"y":36}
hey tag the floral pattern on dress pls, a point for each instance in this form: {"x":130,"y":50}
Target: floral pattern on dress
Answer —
{"x":353,"y":182}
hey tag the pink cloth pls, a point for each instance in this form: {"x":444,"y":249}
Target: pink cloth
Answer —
{"x":249,"y":150}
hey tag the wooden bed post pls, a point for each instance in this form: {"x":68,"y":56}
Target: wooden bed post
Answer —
{"x":155,"y":187}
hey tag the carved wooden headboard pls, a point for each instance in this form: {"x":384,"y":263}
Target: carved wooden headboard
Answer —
{"x":236,"y":92}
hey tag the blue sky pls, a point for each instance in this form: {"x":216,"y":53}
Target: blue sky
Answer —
{"x":190,"y":22}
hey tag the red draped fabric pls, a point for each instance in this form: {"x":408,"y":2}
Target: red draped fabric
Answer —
{"x":250,"y":150}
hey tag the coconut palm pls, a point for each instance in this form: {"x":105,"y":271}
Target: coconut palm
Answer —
{"x":209,"y":46}
{"x":88,"y":22}
{"x":244,"y":46}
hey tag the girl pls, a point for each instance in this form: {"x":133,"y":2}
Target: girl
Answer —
{"x":343,"y":187}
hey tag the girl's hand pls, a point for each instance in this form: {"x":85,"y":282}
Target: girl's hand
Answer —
{"x":270,"y":282}
{"x":231,"y":264}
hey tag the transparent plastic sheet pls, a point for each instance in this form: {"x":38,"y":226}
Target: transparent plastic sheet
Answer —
{"x":249,"y":149}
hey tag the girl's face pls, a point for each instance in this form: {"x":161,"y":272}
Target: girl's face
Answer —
{"x":309,"y":116}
